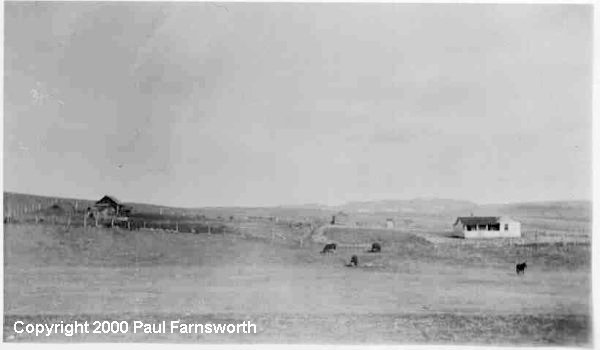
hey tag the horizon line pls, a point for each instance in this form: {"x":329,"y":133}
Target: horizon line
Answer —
{"x":313,"y":204}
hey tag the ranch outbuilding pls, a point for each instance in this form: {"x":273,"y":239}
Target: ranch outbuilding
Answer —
{"x":486,"y":227}
{"x":110,"y":206}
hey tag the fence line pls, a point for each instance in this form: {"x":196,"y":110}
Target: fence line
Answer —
{"x":81,"y":220}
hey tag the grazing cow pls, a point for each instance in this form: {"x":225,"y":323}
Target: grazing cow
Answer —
{"x":521,"y":268}
{"x":354,"y":260}
{"x":329,"y":248}
{"x":375,"y":248}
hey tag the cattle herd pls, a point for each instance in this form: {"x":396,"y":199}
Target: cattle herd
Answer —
{"x":332,"y":247}
{"x":376,"y":248}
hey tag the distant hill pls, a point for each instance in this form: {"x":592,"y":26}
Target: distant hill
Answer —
{"x":564,"y":210}
{"x":417,"y":206}
{"x":561,"y":210}
{"x":574,"y":210}
{"x":20,"y":203}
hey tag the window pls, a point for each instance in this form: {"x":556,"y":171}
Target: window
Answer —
{"x":505,"y":227}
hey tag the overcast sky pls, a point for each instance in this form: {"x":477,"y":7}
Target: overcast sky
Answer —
{"x":199,"y":104}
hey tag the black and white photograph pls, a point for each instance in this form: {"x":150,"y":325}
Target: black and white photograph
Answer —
{"x":312,"y":173}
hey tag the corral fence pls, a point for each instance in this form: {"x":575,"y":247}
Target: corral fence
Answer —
{"x":170,"y":226}
{"x":79,"y":220}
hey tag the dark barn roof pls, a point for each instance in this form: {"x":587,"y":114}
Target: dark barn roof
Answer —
{"x":109,"y":199}
{"x":112,"y":202}
{"x":478,"y":220}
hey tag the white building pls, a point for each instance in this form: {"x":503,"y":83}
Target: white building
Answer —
{"x":486,"y":227}
{"x":389,"y":223}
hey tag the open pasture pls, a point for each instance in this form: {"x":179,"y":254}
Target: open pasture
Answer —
{"x":413,"y":292}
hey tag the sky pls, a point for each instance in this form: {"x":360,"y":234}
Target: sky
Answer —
{"x":248,"y":104}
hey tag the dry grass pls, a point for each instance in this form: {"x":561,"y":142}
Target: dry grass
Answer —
{"x":347,"y":329}
{"x":413,"y":292}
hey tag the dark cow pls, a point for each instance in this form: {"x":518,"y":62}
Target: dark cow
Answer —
{"x":354,"y":260}
{"x":521,"y":268}
{"x":375,"y":248}
{"x":329,"y":248}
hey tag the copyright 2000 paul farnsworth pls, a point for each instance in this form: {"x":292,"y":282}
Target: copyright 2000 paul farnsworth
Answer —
{"x":122,"y":327}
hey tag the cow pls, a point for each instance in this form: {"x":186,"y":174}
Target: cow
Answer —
{"x":521,"y":268}
{"x":375,"y":248}
{"x":354,"y":260}
{"x":329,"y":248}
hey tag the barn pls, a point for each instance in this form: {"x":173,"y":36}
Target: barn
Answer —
{"x":486,"y":227}
{"x":110,"y":206}
{"x":341,"y":218}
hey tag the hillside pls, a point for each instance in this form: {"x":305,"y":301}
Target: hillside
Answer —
{"x":416,"y":206}
{"x":564,"y":210}
{"x":419,"y":213}
{"x":267,"y":270}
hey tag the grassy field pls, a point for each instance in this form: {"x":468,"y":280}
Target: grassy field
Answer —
{"x":415,"y":291}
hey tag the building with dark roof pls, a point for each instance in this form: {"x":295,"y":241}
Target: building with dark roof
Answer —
{"x":110,"y":206}
{"x":486,"y":227}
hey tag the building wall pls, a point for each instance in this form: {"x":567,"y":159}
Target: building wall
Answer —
{"x":514,"y":230}
{"x":490,"y":234}
{"x":105,"y":212}
{"x":389,"y":224}
{"x":343,"y":219}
